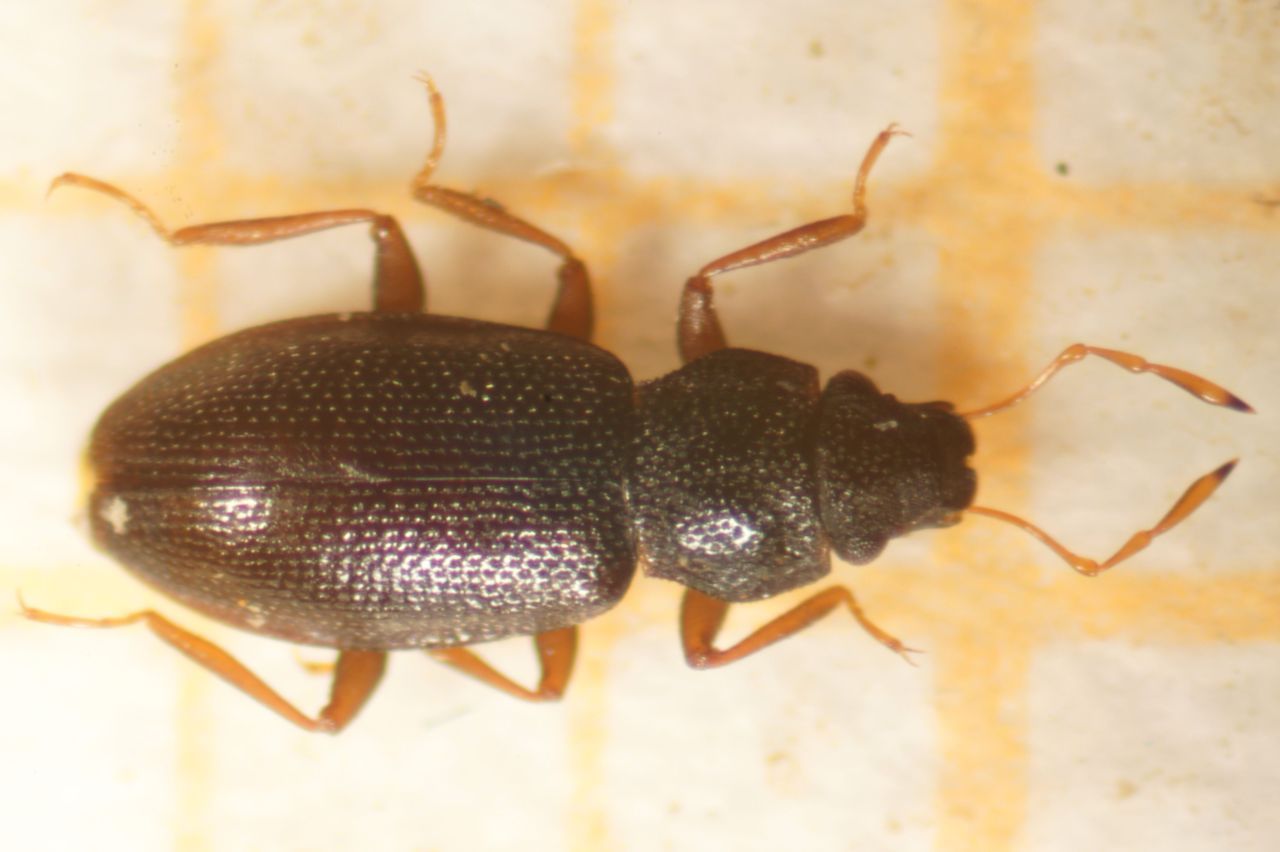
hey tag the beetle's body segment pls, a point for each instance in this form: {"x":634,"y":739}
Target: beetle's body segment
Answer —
{"x":394,"y":479}
{"x":375,"y":480}
{"x":724,"y":489}
{"x":887,"y":468}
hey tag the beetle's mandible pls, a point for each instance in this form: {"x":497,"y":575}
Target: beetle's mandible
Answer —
{"x":394,"y":479}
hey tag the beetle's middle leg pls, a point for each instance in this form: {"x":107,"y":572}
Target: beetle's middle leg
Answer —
{"x":572,"y":313}
{"x":556,"y":651}
{"x":698,"y":330}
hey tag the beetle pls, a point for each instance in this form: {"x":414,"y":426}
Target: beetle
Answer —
{"x":393,"y":479}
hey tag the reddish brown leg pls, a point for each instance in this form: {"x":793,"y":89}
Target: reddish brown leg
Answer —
{"x":702,"y":616}
{"x":556,"y":650}
{"x":1189,"y":382}
{"x":356,"y":675}
{"x":572,"y":313}
{"x":397,"y":282}
{"x":698,"y":330}
{"x":1190,"y":500}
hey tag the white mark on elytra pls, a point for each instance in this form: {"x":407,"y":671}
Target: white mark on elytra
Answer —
{"x":356,"y":473}
{"x":465,"y":388}
{"x":116,"y":514}
{"x":253,"y":617}
{"x":886,"y":425}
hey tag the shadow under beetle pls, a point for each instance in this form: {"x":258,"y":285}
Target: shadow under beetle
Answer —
{"x":393,"y":479}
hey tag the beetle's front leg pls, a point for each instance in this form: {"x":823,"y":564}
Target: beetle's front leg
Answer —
{"x":701,"y":617}
{"x":698,"y":330}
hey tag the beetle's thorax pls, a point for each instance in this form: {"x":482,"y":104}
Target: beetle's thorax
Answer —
{"x":746,"y":473}
{"x":722,"y":483}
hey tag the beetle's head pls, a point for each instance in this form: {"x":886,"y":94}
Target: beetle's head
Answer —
{"x":886,"y":468}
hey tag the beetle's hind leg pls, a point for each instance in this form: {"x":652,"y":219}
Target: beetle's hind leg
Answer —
{"x":355,"y":677}
{"x":698,"y":330}
{"x":397,"y":281}
{"x":572,"y":312}
{"x":556,"y":652}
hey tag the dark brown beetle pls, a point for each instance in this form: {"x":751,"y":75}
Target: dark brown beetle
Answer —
{"x":393,"y":479}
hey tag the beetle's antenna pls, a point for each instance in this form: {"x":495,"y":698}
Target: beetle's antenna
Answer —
{"x":1189,"y":382}
{"x":1197,"y":493}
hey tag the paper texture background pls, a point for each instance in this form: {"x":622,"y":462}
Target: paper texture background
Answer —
{"x":1107,"y":175}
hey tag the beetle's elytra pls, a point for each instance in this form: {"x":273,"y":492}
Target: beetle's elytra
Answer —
{"x":393,"y":479}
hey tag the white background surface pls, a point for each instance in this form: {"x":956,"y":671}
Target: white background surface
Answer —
{"x":1049,"y":712}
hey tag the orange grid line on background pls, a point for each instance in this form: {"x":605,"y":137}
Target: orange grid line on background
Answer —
{"x":985,"y":146}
